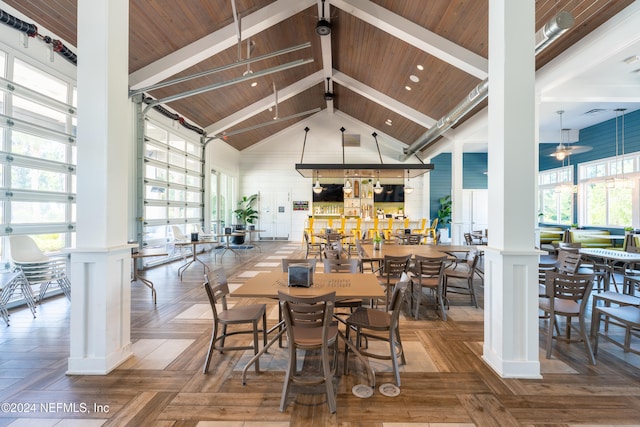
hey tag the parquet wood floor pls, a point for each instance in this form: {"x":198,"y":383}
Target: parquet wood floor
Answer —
{"x":445,"y":382}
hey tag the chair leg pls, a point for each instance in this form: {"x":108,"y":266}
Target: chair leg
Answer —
{"x":394,"y":358}
{"x":552,"y":320}
{"x":212,"y":345}
{"x":472,"y":292}
{"x":255,"y":345}
{"x":587,"y":342}
{"x":287,"y":377}
{"x":328,"y":382}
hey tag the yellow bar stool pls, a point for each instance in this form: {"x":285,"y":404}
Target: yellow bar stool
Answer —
{"x":373,"y":231}
{"x":387,"y":231}
{"x":309,"y":230}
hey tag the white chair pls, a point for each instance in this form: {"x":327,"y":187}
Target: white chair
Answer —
{"x":38,"y":268}
{"x":178,"y":236}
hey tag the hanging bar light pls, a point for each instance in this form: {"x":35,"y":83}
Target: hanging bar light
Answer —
{"x":408,"y":188}
{"x":317,"y":188}
{"x":378,"y":188}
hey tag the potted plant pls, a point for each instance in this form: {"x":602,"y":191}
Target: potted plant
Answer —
{"x":377,"y":242}
{"x":444,"y":216}
{"x":246,"y":214}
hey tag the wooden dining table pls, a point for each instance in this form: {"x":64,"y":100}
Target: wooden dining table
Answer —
{"x":422,"y":250}
{"x":345,"y":285}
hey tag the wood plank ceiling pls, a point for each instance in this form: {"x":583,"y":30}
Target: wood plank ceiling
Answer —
{"x":370,"y":66}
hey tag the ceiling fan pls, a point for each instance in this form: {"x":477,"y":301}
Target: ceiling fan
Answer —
{"x":564,"y":149}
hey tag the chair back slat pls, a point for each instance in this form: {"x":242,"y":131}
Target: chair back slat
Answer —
{"x":351,"y":265}
{"x":306,"y":312}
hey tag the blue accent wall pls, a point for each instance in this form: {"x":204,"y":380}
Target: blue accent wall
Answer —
{"x":602,"y":137}
{"x":474,"y":168}
{"x":440,"y":181}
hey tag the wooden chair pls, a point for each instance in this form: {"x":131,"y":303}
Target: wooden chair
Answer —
{"x":374,"y":324}
{"x":464,"y":271}
{"x":429,"y":273}
{"x":310,"y":326}
{"x":566,"y":295}
{"x":237,"y":315}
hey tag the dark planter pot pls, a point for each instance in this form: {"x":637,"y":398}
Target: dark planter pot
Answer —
{"x":238,"y":240}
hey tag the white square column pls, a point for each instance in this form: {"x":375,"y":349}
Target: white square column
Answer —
{"x":101,"y":262}
{"x":511,"y":262}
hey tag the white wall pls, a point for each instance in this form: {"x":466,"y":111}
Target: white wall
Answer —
{"x":270,"y":164}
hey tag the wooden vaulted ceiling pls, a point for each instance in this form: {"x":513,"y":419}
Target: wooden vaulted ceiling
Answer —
{"x":370,"y":65}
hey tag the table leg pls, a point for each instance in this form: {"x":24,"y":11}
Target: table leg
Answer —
{"x":228,"y":248}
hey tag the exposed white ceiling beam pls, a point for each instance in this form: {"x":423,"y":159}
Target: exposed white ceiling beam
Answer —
{"x":382,"y":99}
{"x":261,"y":105}
{"x":216,"y":42}
{"x":416,"y":35}
{"x":327,"y":58}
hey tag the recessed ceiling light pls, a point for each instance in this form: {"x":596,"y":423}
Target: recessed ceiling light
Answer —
{"x":419,"y":67}
{"x":388,"y":122}
{"x":414,"y":79}
{"x":632,"y":59}
{"x":407,"y":87}
{"x":254,"y":84}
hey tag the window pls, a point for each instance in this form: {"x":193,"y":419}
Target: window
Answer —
{"x":37,"y":155}
{"x":556,"y":193}
{"x":172,"y":189}
{"x":610,"y":189}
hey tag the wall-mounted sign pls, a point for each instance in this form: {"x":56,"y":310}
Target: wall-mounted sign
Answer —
{"x":301,"y":205}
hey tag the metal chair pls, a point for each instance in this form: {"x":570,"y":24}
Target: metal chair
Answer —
{"x":237,"y":315}
{"x":392,"y":269}
{"x":38,"y":268}
{"x":314,"y":249}
{"x":431,"y":231}
{"x":566,"y":295}
{"x":465,"y":273}
{"x":310,"y":326}
{"x":374,"y":324}
{"x":429,"y":273}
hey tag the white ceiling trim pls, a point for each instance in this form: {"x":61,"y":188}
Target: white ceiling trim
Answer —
{"x":261,"y":105}
{"x":417,"y":36}
{"x":607,"y":40}
{"x":215,"y":43}
{"x":383,"y":100}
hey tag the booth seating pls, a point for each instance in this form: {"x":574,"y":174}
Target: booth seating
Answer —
{"x":590,"y":239}
{"x":550,"y":235}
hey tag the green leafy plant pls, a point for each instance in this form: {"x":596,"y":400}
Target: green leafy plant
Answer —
{"x":628,"y":228}
{"x":444,"y":212}
{"x":377,"y":238}
{"x":245,"y":213}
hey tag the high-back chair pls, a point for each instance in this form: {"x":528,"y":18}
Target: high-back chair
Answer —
{"x":431,"y":231}
{"x":428,"y":273}
{"x":217,"y":290}
{"x":310,"y":326}
{"x":465,"y":272}
{"x":374,"y":231}
{"x":311,"y":248}
{"x":566,"y":295}
{"x":393,"y":267}
{"x":351,"y":265}
{"x":179,"y":236}
{"x":38,"y":268}
{"x":422,"y":227}
{"x":374,"y":324}
{"x":387,"y":232}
